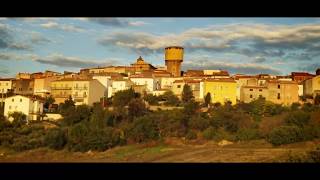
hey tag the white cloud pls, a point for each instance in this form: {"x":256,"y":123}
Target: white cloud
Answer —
{"x":261,"y":39}
{"x":68,"y":61}
{"x":137,"y":23}
{"x":63,"y":27}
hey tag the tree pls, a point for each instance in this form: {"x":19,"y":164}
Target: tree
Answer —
{"x":55,"y":138}
{"x":285,"y":135}
{"x":19,"y":118}
{"x":136,"y":108}
{"x":48,"y":102}
{"x":151,"y":99}
{"x":144,"y":129}
{"x":317,"y":99}
{"x":187,"y":94}
{"x":98,"y":117}
{"x":298,"y":118}
{"x":170,"y":98}
{"x":207,"y":99}
{"x":122,"y":98}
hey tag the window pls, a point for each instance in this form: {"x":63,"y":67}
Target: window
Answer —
{"x":251,"y":89}
{"x":0,"y":84}
{"x":260,"y":96}
{"x":260,"y":90}
{"x":278,"y":86}
{"x":250,"y":95}
{"x":20,"y":100}
{"x":12,"y":100}
{"x":9,"y":107}
{"x":278,"y":95}
{"x":179,"y":86}
{"x":6,"y":84}
{"x":30,"y":89}
{"x":85,"y":94}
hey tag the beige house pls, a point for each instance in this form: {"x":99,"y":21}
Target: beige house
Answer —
{"x":311,"y":87}
{"x":167,"y":82}
{"x":23,"y":86}
{"x":279,"y":92}
{"x":244,"y":81}
{"x":5,"y":85}
{"x":30,"y":106}
{"x":42,"y":86}
{"x":249,"y":93}
{"x":178,"y":85}
{"x":82,"y":91}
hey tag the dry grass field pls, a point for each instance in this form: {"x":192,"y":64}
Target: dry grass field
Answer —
{"x":173,"y":150}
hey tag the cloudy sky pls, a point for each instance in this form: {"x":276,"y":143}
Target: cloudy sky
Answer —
{"x":239,"y":45}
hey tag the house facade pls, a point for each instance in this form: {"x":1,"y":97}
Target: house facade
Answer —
{"x":30,"y":106}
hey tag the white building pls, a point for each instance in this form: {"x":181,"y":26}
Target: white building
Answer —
{"x":167,"y":82}
{"x":31,"y":107}
{"x":151,"y":83}
{"x":105,"y":81}
{"x":119,"y":85}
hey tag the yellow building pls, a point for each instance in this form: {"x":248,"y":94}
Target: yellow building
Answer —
{"x":221,"y":90}
{"x":311,"y":87}
{"x":82,"y":91}
{"x":173,"y":60}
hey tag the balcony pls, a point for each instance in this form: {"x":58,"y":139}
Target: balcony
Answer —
{"x":61,"y":88}
{"x":79,"y":96}
{"x":61,"y":95}
{"x":80,"y":88}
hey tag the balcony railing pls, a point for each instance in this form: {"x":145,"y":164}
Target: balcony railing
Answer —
{"x":79,"y":96}
{"x":61,"y":96}
{"x":61,"y":88}
{"x":80,"y":88}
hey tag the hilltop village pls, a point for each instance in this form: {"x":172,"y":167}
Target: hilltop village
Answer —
{"x":27,"y":91}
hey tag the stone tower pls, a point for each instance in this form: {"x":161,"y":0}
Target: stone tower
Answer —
{"x":174,"y":58}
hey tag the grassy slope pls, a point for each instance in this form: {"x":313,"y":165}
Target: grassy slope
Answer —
{"x":169,"y":151}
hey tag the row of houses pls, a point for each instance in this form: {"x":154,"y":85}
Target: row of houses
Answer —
{"x":93,"y":85}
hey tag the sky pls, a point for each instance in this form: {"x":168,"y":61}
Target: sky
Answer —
{"x":276,"y":46}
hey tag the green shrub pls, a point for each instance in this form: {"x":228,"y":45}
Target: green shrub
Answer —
{"x":101,"y":139}
{"x":273,"y":109}
{"x":217,"y":134}
{"x":285,"y":135}
{"x":136,"y":108}
{"x":209,"y":133}
{"x":55,"y":139}
{"x":307,"y":107}
{"x":151,"y":99}
{"x":230,"y":120}
{"x":199,"y":123}
{"x":143,"y":129}
{"x":122,"y":98}
{"x":295,"y":106}
{"x":170,"y":99}
{"x":191,"y":135}
{"x":247,"y":134}
{"x":187,"y":94}
{"x":298,"y":118}
{"x":19,"y":119}
{"x":25,"y":130}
